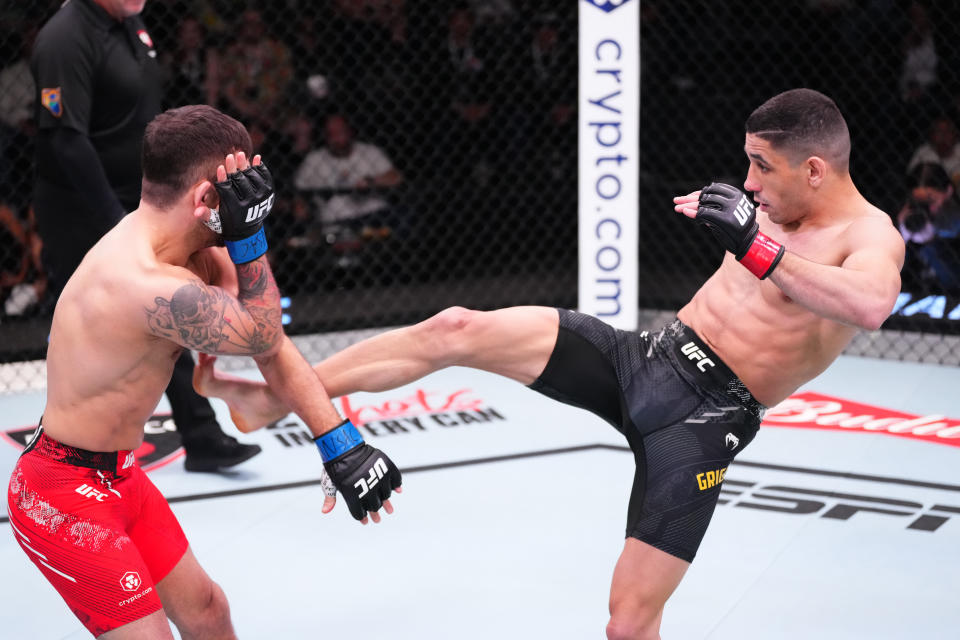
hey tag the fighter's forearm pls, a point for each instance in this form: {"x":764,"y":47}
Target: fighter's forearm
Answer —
{"x":289,"y":377}
{"x":845,"y":295}
{"x":260,"y":297}
{"x":292,"y":385}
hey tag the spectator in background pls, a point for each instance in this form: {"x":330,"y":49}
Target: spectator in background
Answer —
{"x":940,"y":148}
{"x":919,"y":61}
{"x":305,"y":43}
{"x":493,"y":12}
{"x":388,"y":82}
{"x":930,"y":223}
{"x":287,"y":146}
{"x":17,"y":96}
{"x":365,"y":58}
{"x":548,"y":103}
{"x":22,"y":280}
{"x":191,"y":72}
{"x":96,"y":71}
{"x":256,"y":72}
{"x":354,"y":176}
{"x":465,"y":133}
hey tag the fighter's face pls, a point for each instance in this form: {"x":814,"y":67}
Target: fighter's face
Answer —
{"x":779,"y":189}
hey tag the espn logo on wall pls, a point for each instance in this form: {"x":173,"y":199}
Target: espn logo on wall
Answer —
{"x":816,"y":411}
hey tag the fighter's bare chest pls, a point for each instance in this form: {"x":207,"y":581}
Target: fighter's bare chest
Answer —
{"x":826,"y":245}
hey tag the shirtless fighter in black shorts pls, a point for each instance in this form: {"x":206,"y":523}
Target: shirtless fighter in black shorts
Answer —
{"x":806,"y":267}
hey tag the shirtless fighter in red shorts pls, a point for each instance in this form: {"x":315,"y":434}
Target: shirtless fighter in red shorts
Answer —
{"x":80,"y":507}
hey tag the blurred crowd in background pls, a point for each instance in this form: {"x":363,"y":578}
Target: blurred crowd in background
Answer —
{"x":434,"y":142}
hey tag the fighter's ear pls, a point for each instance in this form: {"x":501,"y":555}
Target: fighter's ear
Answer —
{"x":205,"y":197}
{"x":816,"y":168}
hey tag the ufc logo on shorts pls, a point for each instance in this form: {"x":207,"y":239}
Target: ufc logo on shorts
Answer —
{"x":90,"y":492}
{"x":376,"y":474}
{"x":258,"y":211}
{"x":743,"y":211}
{"x":693,"y":352}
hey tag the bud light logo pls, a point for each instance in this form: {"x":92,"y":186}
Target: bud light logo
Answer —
{"x":608,"y":5}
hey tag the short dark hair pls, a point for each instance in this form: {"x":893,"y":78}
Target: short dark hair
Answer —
{"x":801,"y":123}
{"x":184,"y":145}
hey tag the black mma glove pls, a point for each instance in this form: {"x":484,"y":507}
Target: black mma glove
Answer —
{"x":364,"y":475}
{"x":246,"y":198}
{"x":732,"y":219}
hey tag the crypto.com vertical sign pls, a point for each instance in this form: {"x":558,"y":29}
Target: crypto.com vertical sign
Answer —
{"x":609,"y":147}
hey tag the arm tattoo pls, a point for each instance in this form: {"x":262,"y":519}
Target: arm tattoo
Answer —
{"x":255,"y":280}
{"x":260,"y":297}
{"x":198,"y":316}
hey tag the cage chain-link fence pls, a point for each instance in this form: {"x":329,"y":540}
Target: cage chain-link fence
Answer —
{"x":426,"y":152}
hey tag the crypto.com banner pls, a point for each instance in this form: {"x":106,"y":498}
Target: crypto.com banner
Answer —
{"x":609,"y":147}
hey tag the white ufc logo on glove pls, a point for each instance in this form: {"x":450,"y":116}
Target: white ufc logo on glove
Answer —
{"x":742,"y":212}
{"x":376,"y":474}
{"x":260,"y":210}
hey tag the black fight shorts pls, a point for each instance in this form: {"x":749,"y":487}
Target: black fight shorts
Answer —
{"x":683,"y":411}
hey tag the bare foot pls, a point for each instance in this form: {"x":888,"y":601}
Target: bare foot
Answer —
{"x":251,"y":404}
{"x":204,"y":377}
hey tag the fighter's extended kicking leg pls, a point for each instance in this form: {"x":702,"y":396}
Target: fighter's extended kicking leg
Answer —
{"x":515,"y":342}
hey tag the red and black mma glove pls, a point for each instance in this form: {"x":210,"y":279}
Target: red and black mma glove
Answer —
{"x":732,"y":219}
{"x":363,"y":474}
{"x":246,"y":198}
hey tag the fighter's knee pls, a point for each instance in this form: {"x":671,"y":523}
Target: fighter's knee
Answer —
{"x":451,"y":320}
{"x":635,"y":625}
{"x":217,"y":607}
{"x":448,"y":332}
{"x":216,"y":616}
{"x":209,"y":619}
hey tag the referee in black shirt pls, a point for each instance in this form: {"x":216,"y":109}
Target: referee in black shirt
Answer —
{"x":98,"y":85}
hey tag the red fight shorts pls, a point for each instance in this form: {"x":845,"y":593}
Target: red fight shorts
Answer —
{"x":96,"y":527}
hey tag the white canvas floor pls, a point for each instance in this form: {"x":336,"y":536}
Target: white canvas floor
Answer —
{"x":512,"y":518}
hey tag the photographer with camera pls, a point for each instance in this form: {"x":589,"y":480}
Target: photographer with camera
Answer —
{"x":930,"y":223}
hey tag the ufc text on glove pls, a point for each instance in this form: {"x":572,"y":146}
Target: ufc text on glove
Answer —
{"x":246,"y":197}
{"x":732,"y":219}
{"x":364,"y":475}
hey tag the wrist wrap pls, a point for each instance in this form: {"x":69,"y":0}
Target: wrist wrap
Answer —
{"x":338,"y":441}
{"x":248,"y":249}
{"x":763,"y":256}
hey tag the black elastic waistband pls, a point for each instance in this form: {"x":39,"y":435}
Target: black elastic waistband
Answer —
{"x":117,"y":462}
{"x":701,"y":363}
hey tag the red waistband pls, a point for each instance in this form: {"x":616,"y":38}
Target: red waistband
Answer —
{"x":117,"y":462}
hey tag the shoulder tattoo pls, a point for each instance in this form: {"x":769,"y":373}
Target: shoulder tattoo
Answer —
{"x":198,"y":317}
